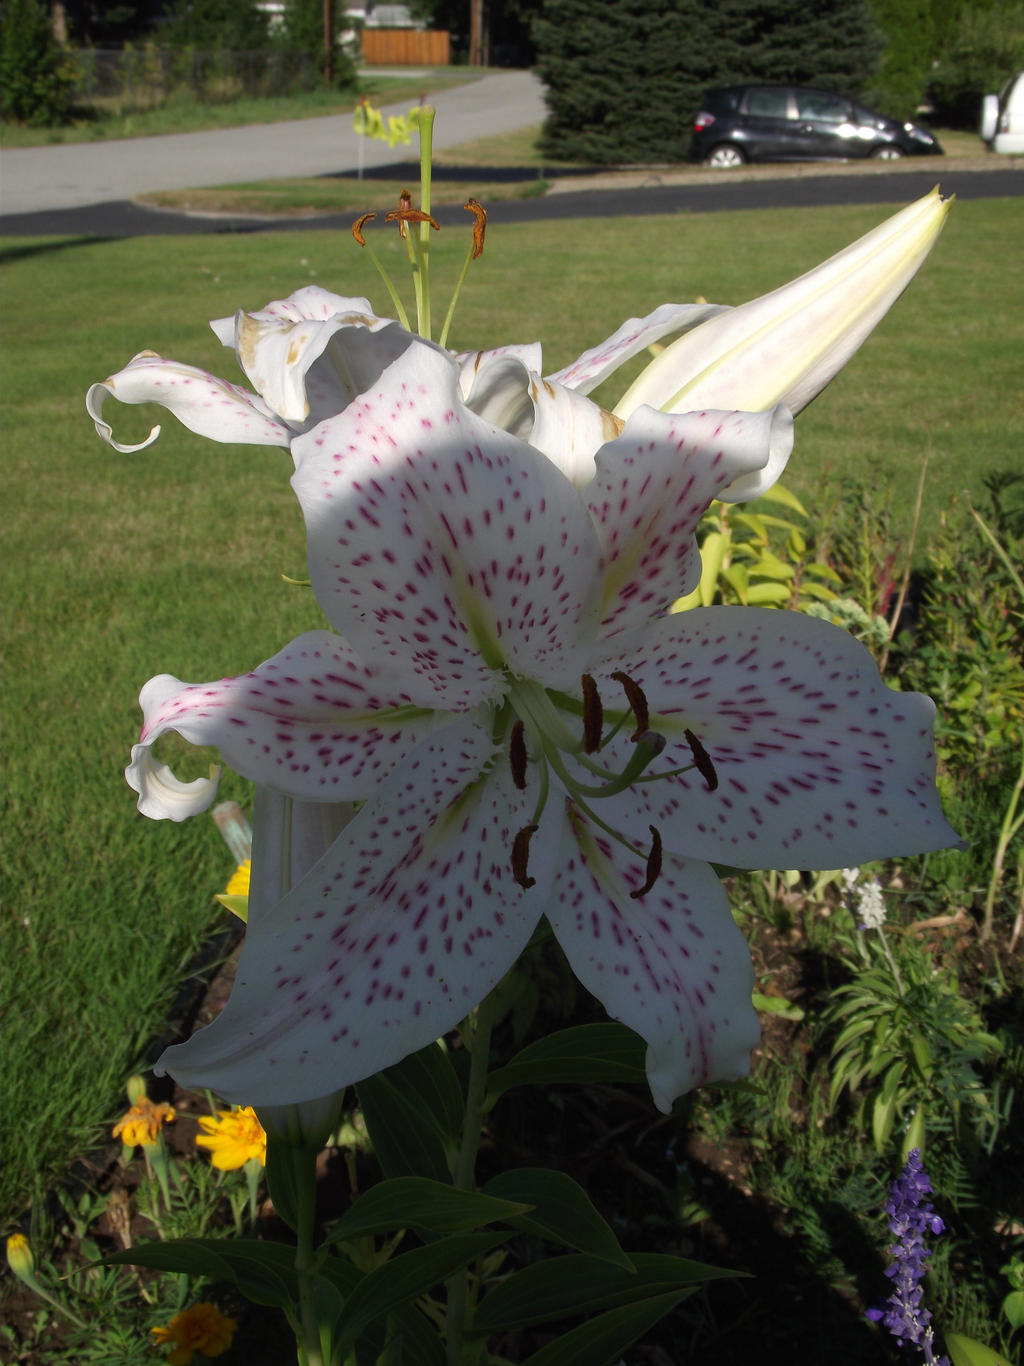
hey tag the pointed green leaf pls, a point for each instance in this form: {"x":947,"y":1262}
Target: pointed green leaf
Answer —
{"x":408,"y":1276}
{"x":287,"y":1171}
{"x":415,"y":1202}
{"x":413,"y":1113}
{"x":262,"y":1272}
{"x":602,"y":1341}
{"x":585,"y":1054}
{"x":564,"y":1286}
{"x":562,"y":1212}
{"x":777,"y":1005}
{"x":966,"y":1352}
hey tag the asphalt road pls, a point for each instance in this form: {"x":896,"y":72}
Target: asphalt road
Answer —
{"x":125,"y":219}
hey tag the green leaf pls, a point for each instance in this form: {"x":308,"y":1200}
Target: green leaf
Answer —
{"x":602,"y":1340}
{"x":778,"y":493}
{"x":1013,"y":1308}
{"x":767,"y":593}
{"x":564,"y":1286}
{"x":288,"y":1169}
{"x":413,"y":1113}
{"x":408,"y":1276}
{"x":966,"y":1352}
{"x":412,"y":1340}
{"x":415,"y":1202}
{"x":777,"y":1005}
{"x":915,"y":1135}
{"x":585,"y":1054}
{"x":883,"y":1114}
{"x":262,"y":1272}
{"x":562,"y":1212}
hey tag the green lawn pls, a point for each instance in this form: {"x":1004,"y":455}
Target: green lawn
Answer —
{"x":121,"y":566}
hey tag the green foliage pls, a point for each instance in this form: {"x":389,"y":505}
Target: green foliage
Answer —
{"x":36,"y":81}
{"x":984,"y":48}
{"x":752,"y":557}
{"x":898,"y":86}
{"x":235,"y":25}
{"x":907,"y":1042}
{"x":303,"y":29}
{"x":967,"y":647}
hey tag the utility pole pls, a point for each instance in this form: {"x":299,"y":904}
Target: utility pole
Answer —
{"x":476,"y":33}
{"x":328,"y":43}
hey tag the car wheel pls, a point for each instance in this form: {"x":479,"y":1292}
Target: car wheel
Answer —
{"x":887,"y":153}
{"x":725,"y":157}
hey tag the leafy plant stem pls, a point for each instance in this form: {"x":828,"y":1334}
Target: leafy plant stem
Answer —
{"x":476,"y":1033}
{"x":901,"y":597}
{"x":892,"y":961}
{"x":1011,"y":824}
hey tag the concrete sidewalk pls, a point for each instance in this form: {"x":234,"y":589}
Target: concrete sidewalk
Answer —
{"x":65,"y":177}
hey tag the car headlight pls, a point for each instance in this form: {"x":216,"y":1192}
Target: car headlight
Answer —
{"x":919,"y":134}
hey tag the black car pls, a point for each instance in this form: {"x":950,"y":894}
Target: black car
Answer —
{"x":739,"y":123}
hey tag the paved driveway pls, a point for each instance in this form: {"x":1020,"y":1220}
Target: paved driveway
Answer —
{"x":67,"y":177}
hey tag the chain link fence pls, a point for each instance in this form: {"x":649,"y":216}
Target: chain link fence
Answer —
{"x":144,"y":77}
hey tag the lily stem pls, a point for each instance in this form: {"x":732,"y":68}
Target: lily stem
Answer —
{"x":305,"y":1260}
{"x":476,"y":1033}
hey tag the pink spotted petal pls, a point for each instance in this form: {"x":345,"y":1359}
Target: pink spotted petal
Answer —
{"x":655,"y":482}
{"x":312,"y":722}
{"x":671,"y":965}
{"x":203,"y":403}
{"x":441,"y":546}
{"x":411,"y":917}
{"x":819,"y":764}
{"x":629,"y":340}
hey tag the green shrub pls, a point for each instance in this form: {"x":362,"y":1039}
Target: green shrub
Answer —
{"x":36,"y":81}
{"x":986,"y":46}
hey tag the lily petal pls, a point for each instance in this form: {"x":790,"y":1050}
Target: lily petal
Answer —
{"x":442,"y":546}
{"x":313,"y":722}
{"x":786,"y":346}
{"x":819,"y":764}
{"x":162,"y":796}
{"x":203,"y":403}
{"x":587,"y":371}
{"x":671,"y":965}
{"x":407,"y":922}
{"x":481,"y":375}
{"x":310,"y":354}
{"x":654,"y":484}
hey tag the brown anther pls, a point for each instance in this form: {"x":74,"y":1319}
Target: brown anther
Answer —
{"x":702,"y":759}
{"x":593,"y":716}
{"x":653,"y":866}
{"x":403,"y":216}
{"x":637,"y":701}
{"x":520,"y":855}
{"x":479,"y":227}
{"x":405,"y":200}
{"x":517,"y":755}
{"x":358,"y":225}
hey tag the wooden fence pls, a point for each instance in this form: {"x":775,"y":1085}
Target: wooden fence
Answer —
{"x":406,"y":47}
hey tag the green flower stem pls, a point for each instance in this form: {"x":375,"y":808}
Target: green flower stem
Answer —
{"x":476,"y":1034}
{"x":426,"y":131}
{"x":305,"y":1259}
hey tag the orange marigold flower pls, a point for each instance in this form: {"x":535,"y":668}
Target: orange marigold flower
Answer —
{"x":203,"y":1328}
{"x":233,"y":1137}
{"x":142,"y":1123}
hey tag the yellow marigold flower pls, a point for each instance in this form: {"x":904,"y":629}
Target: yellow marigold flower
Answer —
{"x":142,"y":1123}
{"x":233,"y":1137}
{"x":203,"y":1328}
{"x":239,"y":882}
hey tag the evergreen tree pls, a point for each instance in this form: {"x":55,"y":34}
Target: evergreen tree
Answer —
{"x":909,"y":29}
{"x":231,"y":25}
{"x":985,"y":46}
{"x":303,"y":30}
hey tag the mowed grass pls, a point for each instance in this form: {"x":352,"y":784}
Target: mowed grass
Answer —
{"x":118,"y":567}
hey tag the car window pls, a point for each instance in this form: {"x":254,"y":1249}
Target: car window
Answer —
{"x":820,"y":105}
{"x":768,"y":103}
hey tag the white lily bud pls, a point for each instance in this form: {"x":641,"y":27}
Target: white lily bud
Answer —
{"x":786,"y":346}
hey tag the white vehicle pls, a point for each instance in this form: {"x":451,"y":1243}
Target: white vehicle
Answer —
{"x":1002,"y":118}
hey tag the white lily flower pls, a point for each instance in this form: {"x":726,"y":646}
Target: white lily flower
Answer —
{"x":786,"y":346}
{"x":484,"y":604}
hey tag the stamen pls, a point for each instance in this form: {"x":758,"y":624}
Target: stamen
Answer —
{"x":517,"y":755}
{"x":403,"y":216}
{"x":593,"y":716}
{"x":702,"y":759}
{"x":479,"y":227}
{"x":637,"y":701}
{"x":653,"y":866}
{"x":520,"y":854}
{"x":357,"y":227}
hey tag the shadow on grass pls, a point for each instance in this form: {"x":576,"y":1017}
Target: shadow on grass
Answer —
{"x":24,"y":250}
{"x":498,"y":175}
